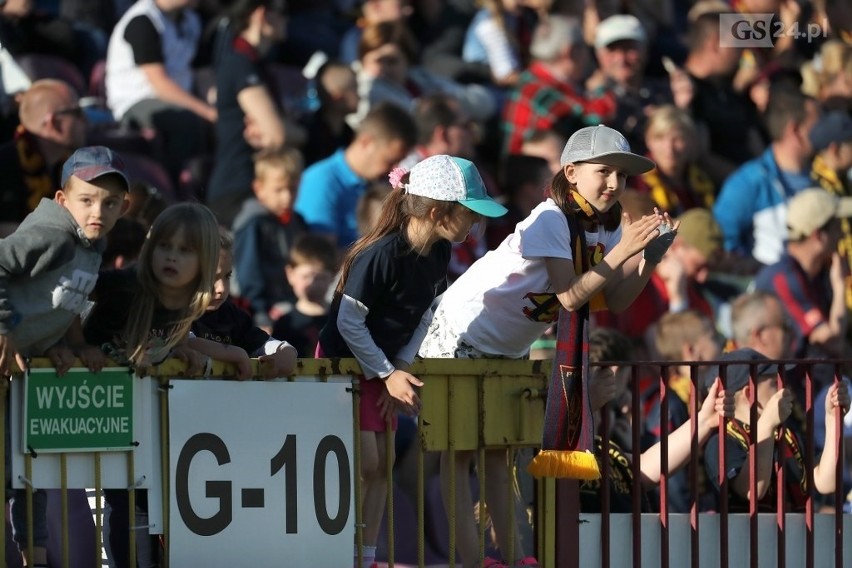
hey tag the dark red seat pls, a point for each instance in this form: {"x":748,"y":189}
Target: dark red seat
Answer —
{"x":42,"y":66}
{"x":146,"y":170}
{"x":97,"y":81}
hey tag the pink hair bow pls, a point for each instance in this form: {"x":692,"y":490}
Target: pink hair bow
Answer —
{"x":395,"y":177}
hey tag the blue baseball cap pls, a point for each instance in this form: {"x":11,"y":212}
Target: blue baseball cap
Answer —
{"x":91,"y":162}
{"x":833,"y":127}
{"x":447,"y":178}
{"x":737,"y":374}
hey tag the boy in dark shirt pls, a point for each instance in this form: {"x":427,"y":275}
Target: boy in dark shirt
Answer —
{"x":313,"y":263}
{"x":774,"y":405}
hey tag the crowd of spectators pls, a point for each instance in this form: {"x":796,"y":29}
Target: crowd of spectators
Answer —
{"x":285,"y":117}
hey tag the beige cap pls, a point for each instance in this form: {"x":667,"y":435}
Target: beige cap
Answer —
{"x":700,"y":230}
{"x":813,"y":208}
{"x":703,"y":7}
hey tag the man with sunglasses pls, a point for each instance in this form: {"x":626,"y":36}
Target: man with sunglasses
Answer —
{"x":52,"y":125}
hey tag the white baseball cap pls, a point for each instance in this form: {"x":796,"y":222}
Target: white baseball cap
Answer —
{"x":813,"y":208}
{"x":619,"y":28}
{"x":602,"y":145}
{"x":448,"y":178}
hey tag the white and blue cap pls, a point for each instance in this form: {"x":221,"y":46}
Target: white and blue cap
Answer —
{"x":603,"y":145}
{"x":447,"y":178}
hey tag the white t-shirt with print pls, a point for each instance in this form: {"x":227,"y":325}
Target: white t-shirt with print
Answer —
{"x":505,"y":301}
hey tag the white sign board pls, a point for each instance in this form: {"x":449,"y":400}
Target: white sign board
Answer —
{"x":261,"y":474}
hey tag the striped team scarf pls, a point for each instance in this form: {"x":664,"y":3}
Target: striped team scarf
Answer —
{"x":568,"y":442}
{"x":37,"y":179}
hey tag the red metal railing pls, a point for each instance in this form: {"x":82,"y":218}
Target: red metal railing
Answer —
{"x":569,"y":519}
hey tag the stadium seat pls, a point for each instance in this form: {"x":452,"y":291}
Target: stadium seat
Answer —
{"x":289,"y":87}
{"x":97,"y":81}
{"x":144,"y":169}
{"x":42,"y":66}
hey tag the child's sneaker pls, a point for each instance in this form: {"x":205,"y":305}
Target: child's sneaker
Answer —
{"x":489,"y":562}
{"x":528,"y":561}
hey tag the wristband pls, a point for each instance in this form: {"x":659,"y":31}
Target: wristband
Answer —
{"x":655,"y":250}
{"x":208,"y":367}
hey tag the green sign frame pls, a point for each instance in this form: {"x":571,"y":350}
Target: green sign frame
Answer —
{"x":80,"y":411}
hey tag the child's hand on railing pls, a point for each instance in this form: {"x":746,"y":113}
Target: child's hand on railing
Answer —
{"x":64,"y":356}
{"x":197,"y":364}
{"x":399,"y":385}
{"x":778,"y":408}
{"x":9,"y":356}
{"x":238,"y":357}
{"x":838,"y":396}
{"x":719,"y":403}
{"x":91,"y":357}
{"x":278,"y":364}
{"x":61,"y":357}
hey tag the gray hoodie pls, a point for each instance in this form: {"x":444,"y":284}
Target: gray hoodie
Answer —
{"x":48,"y":268}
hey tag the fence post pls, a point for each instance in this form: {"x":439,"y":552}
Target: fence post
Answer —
{"x":567,"y":523}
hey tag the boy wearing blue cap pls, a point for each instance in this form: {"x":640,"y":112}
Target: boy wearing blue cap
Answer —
{"x":775,"y":442}
{"x":48,"y":267}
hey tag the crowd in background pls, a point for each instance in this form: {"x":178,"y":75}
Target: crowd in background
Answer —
{"x":192,"y":92}
{"x":285,"y":118}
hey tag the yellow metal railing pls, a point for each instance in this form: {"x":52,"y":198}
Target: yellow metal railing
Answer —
{"x":468,"y":405}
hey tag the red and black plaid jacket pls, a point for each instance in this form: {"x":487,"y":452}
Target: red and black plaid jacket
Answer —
{"x":543,"y":102}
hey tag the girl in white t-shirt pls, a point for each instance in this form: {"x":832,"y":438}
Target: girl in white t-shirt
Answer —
{"x":508,"y":298}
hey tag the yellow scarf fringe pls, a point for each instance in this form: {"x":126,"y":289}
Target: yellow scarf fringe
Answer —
{"x":573,"y":464}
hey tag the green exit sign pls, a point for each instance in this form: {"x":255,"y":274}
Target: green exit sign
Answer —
{"x":80,"y":411}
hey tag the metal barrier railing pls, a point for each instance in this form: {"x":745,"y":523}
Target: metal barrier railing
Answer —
{"x":479,"y":405}
{"x":465,"y":406}
{"x":814,"y":548}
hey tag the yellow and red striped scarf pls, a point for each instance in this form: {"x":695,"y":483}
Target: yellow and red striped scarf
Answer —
{"x":33,"y":169}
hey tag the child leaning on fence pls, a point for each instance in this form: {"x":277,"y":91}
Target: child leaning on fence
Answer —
{"x":382,"y":305}
{"x":48,"y":267}
{"x":608,"y":384}
{"x":687,"y":336}
{"x":143,"y":314}
{"x":777,"y":444}
{"x":509,"y":297}
{"x":226,"y":332}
